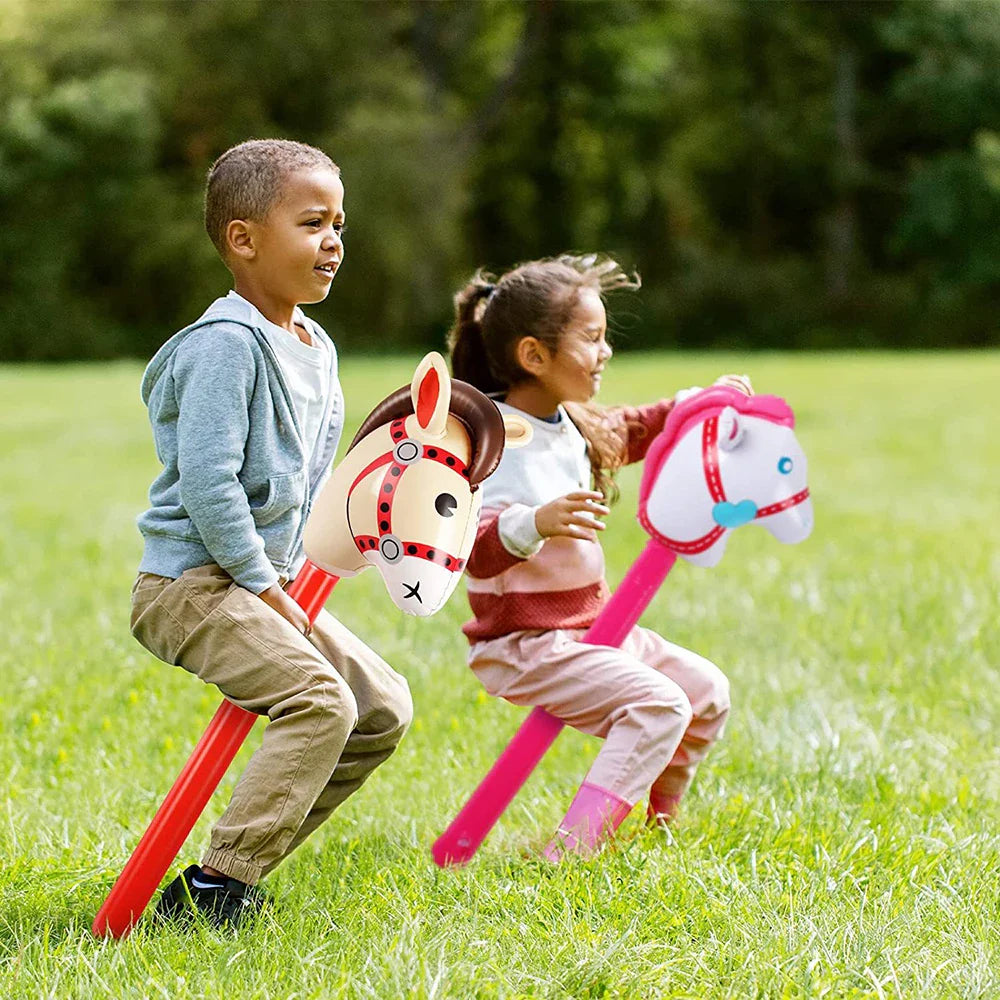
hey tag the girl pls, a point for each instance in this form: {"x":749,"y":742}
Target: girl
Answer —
{"x":535,"y":339}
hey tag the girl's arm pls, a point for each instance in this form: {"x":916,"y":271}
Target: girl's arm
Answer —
{"x":637,"y":426}
{"x":515,"y":533}
{"x":490,"y":556}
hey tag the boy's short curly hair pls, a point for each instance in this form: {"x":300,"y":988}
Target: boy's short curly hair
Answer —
{"x":246,"y":180}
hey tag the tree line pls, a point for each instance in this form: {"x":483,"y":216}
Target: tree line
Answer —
{"x":782,"y":174}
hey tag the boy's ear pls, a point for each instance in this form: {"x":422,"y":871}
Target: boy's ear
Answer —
{"x":239,"y":239}
{"x":531,"y":354}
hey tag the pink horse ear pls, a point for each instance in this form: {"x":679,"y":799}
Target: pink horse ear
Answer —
{"x":430,"y":391}
{"x":732,"y":429}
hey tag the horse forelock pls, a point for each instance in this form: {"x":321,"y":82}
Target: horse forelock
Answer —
{"x":455,"y":439}
{"x":698,"y":408}
{"x":396,"y":405}
{"x":772,"y":408}
{"x":473,"y":410}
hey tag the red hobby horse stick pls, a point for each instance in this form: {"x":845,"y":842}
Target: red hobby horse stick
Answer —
{"x":431,"y":441}
{"x":186,"y":801}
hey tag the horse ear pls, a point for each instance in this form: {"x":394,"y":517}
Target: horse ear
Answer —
{"x":732,"y":429}
{"x":431,"y":394}
{"x":517,"y":431}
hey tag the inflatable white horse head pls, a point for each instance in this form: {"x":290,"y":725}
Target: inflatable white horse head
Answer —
{"x":405,"y":496}
{"x":724,"y":459}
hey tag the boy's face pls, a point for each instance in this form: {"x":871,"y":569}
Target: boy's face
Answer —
{"x":298,"y":247}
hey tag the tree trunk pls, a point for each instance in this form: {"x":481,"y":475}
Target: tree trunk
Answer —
{"x":842,"y":225}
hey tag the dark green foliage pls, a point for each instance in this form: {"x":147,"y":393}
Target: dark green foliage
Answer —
{"x":781,"y":174}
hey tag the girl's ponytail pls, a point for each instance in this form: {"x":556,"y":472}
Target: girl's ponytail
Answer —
{"x":469,"y":356}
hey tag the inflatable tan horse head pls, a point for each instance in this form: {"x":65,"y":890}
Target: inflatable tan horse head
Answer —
{"x":405,"y":497}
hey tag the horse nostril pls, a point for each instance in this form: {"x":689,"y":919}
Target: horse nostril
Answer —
{"x":413,"y":591}
{"x":390,"y":548}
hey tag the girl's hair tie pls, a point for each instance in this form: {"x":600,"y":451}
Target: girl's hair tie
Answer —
{"x":486,"y":291}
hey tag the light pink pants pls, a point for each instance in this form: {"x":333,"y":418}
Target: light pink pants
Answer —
{"x":658,"y":706}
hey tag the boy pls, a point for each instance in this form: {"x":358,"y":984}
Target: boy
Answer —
{"x":246,"y":410}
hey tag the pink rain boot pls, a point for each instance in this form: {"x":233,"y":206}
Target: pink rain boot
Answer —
{"x":594,"y":813}
{"x":667,"y":791}
{"x":662,"y":808}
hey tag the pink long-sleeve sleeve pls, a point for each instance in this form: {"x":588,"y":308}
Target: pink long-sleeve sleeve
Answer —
{"x":489,"y":557}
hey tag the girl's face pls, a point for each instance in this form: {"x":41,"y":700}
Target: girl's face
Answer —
{"x":573,"y":373}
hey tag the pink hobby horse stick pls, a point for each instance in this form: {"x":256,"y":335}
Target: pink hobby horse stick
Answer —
{"x":716,"y":442}
{"x":186,"y":801}
{"x":539,"y":730}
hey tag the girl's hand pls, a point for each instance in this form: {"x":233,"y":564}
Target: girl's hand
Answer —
{"x":681,"y":394}
{"x":739,"y":382}
{"x":574,"y":515}
{"x":274,"y":597}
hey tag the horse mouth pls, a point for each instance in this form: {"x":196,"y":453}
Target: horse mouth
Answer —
{"x":413,"y":591}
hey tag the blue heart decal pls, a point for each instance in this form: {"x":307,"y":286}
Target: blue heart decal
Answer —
{"x":732,"y":515}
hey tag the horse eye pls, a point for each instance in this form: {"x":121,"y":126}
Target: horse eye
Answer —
{"x":445,"y":504}
{"x":784,"y":465}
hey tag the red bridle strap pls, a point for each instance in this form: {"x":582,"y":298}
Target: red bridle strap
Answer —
{"x":366,"y":543}
{"x":777,"y":508}
{"x":710,"y":458}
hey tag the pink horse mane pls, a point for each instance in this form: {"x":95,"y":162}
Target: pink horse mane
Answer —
{"x":698,"y":408}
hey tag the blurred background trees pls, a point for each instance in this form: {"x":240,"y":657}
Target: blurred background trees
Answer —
{"x":784,"y":174}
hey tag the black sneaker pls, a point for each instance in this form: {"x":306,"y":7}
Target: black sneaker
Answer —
{"x":225,"y":905}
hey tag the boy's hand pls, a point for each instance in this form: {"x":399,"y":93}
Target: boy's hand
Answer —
{"x":275,"y":597}
{"x":574,"y":515}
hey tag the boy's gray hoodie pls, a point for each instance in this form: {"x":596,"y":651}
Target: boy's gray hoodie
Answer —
{"x":234,"y":489}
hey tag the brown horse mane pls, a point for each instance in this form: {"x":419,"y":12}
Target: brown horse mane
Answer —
{"x":476,"y":412}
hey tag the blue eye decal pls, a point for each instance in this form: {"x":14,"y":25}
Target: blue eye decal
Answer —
{"x":784,"y":465}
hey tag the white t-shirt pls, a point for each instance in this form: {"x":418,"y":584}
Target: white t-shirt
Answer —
{"x":553,"y":463}
{"x":306,"y":368}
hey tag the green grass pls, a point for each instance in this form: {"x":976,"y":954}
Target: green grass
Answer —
{"x":841,"y":841}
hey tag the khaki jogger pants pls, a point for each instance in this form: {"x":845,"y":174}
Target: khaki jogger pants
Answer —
{"x":658,"y":707}
{"x":336,"y":709}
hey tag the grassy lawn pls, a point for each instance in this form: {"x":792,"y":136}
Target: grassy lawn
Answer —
{"x":841,"y":841}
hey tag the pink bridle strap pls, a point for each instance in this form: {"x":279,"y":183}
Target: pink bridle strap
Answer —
{"x":387,"y":495}
{"x":713,"y":480}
